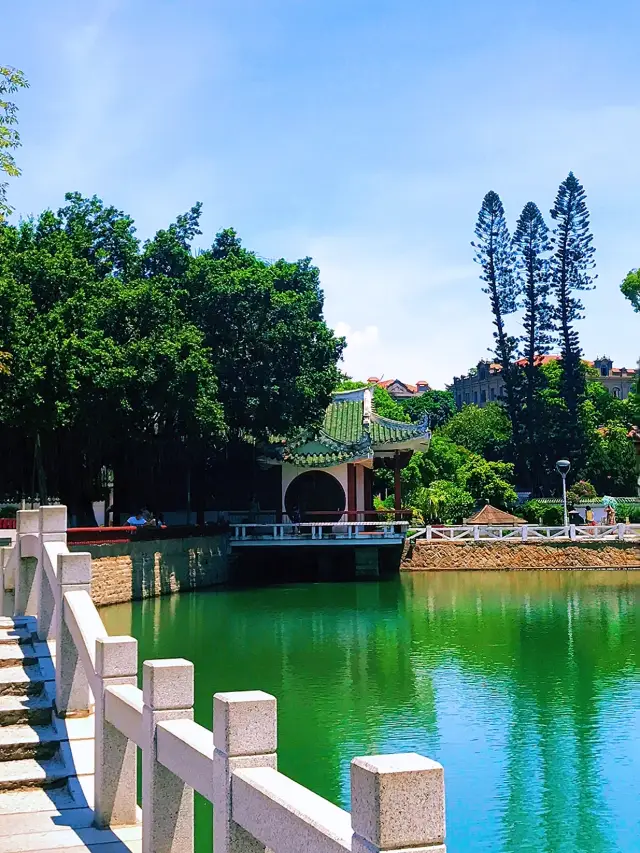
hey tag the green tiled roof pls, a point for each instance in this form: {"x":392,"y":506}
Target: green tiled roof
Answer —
{"x":346,"y":435}
{"x":343,"y":421}
{"x":320,"y":460}
{"x":385,"y":431}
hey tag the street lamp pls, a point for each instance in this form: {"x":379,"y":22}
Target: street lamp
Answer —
{"x":562,"y":467}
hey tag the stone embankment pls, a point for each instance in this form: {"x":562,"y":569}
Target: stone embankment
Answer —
{"x":130,"y":571}
{"x":424,"y":556}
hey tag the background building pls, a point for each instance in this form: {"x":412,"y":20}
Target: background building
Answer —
{"x":400,"y":390}
{"x":484,"y":384}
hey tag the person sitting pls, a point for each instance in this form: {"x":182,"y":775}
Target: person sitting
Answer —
{"x":137,"y":520}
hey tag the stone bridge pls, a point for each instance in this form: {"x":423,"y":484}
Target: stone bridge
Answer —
{"x":72,"y":719}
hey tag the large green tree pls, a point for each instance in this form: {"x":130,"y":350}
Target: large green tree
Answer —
{"x":496,"y":257}
{"x":531,"y":244}
{"x":571,"y":266}
{"x":11,"y":80}
{"x":121,"y":350}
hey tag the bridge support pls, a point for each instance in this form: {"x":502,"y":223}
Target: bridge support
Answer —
{"x":367,"y":562}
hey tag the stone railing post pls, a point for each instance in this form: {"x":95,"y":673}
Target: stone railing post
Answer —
{"x":73,"y":694}
{"x":476,"y":532}
{"x":622,"y":529}
{"x":167,"y":803}
{"x":572,"y":532}
{"x":525,"y":532}
{"x":244,"y":735}
{"x":397,"y":803}
{"x":428,"y":533}
{"x":53,"y":528}
{"x":115,"y":755}
{"x":28,"y":543}
{"x":5,"y":556}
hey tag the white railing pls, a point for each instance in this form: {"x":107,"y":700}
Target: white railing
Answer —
{"x":397,"y":800}
{"x":318,"y":530}
{"x":527,"y":533}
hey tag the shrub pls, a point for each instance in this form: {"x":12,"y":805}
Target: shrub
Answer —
{"x":630,"y":512}
{"x":581,"y":491}
{"x":550,"y":514}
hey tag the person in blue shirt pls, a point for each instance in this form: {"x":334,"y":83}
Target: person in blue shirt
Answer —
{"x":137,"y":520}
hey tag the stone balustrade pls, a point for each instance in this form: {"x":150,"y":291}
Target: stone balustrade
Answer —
{"x":397,"y":800}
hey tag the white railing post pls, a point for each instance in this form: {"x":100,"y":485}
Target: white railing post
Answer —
{"x":73,"y":695}
{"x":244,"y":735}
{"x":525,"y":532}
{"x":53,"y":528}
{"x":572,"y":531}
{"x":476,"y":532}
{"x":4,"y":559}
{"x":428,"y":533}
{"x":115,"y":755}
{"x":28,"y":543}
{"x":397,"y":803}
{"x":622,"y":528}
{"x":167,"y":803}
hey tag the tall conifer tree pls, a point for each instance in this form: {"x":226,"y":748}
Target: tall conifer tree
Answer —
{"x":531,"y":243}
{"x":570,"y":267}
{"x":494,"y":253}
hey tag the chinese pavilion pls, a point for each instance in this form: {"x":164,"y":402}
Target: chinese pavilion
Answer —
{"x":328,"y":474}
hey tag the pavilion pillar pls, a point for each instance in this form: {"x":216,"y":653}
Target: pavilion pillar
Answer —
{"x":352,"y":492}
{"x":397,"y":484}
{"x":368,"y":494}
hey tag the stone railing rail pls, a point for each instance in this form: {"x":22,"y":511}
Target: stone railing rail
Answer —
{"x":527,"y":533}
{"x":397,"y":800}
{"x":316,"y":530}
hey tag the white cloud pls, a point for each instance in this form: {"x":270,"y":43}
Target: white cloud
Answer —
{"x":358,"y":338}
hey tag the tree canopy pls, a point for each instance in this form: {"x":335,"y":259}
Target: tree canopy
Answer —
{"x":630,"y":287}
{"x":485,"y":431}
{"x":116,"y":344}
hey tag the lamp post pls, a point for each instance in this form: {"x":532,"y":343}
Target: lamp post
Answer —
{"x":562,"y":467}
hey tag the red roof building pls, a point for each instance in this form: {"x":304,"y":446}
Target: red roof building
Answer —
{"x":400,"y":390}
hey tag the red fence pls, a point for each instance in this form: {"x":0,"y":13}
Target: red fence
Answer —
{"x":7,"y":524}
{"x":99,"y":535}
{"x":116,"y":535}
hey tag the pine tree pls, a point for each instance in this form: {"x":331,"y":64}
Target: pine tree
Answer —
{"x":531,"y":243}
{"x":494,"y":253}
{"x":570,"y":268}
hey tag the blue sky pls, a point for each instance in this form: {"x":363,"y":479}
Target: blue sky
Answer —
{"x":363,"y":133}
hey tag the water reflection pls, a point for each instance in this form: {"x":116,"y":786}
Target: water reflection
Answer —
{"x":524,"y":685}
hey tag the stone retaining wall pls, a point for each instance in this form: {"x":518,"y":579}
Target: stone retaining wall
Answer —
{"x":443,"y":556}
{"x":131,"y":571}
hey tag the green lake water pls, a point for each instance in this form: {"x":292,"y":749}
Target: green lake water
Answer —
{"x":525,"y":686}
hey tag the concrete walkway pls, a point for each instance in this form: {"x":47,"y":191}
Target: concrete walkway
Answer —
{"x":46,"y":763}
